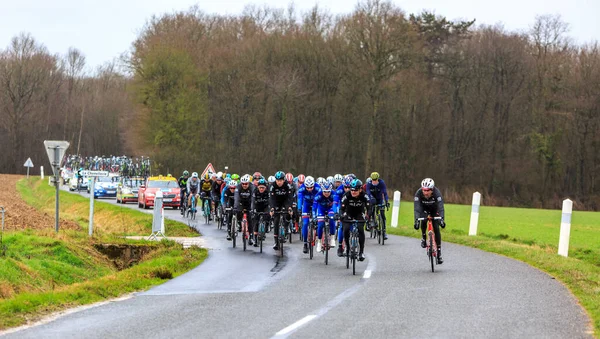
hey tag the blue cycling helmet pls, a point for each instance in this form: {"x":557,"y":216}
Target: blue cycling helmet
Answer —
{"x":279,"y":175}
{"x":356,"y":185}
{"x":261,"y":182}
{"x":326,"y":187}
{"x":348,"y":181}
{"x":228,"y":176}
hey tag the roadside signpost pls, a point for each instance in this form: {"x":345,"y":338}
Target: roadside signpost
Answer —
{"x":28,"y":164}
{"x":93,"y":175}
{"x":56,"y":150}
{"x":475,"y":213}
{"x":209,"y":168}
{"x":565,"y":228}
{"x":158,"y":219}
{"x":396,"y":208}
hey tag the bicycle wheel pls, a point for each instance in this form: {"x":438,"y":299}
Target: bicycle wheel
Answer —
{"x":431,"y":258}
{"x":310,"y":242}
{"x":347,"y":256}
{"x":244,"y":233}
{"x":233,"y":230}
{"x":261,"y":233}
{"x":381,"y":228}
{"x":206,"y":212}
{"x":281,"y":237}
{"x":290,"y":233}
{"x":326,"y":245}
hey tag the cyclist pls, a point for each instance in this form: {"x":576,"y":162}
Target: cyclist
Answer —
{"x":259,"y":203}
{"x":323,"y":208}
{"x":255,"y":177}
{"x":228,"y":200}
{"x":337,"y":181}
{"x":206,"y":190}
{"x":289,"y":177}
{"x":193,"y":188}
{"x":377,"y":193}
{"x":280,"y":199}
{"x":243,"y":199}
{"x":182,"y":189}
{"x":353,"y":206}
{"x":306,"y":196}
{"x":428,"y":201}
{"x":297,"y":185}
{"x":271,"y":180}
{"x":345,"y":187}
{"x":217,"y":189}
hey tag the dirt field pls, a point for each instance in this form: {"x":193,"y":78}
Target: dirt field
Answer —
{"x":19,"y":215}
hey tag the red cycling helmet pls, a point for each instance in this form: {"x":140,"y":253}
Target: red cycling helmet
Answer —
{"x":289,"y":177}
{"x":301,"y":178}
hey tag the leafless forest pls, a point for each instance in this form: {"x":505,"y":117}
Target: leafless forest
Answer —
{"x":515,"y":115}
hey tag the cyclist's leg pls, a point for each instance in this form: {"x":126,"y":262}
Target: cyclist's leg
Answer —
{"x":320,"y":222}
{"x":305,"y":221}
{"x":361,"y":236}
{"x":438,"y":234}
{"x":276,"y":229}
{"x":346,"y":233}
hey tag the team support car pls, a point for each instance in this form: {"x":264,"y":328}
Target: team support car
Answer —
{"x":128,"y":188}
{"x":105,"y":187}
{"x":169,"y":187}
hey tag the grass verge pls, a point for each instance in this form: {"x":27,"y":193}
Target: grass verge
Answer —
{"x":42,"y":272}
{"x":108,"y":218}
{"x":531,"y":236}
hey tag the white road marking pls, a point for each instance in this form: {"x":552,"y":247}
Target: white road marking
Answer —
{"x":296,"y":325}
{"x":330,"y":304}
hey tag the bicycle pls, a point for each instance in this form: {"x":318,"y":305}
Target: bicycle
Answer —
{"x":326,"y":238}
{"x":281,"y":238}
{"x":219,"y":217}
{"x":262,"y":228}
{"x":245,"y":234}
{"x":191,"y":212}
{"x":352,"y":248}
{"x":379,"y":223}
{"x":206,"y":209}
{"x":233,"y":228}
{"x":312,"y":235}
{"x":430,"y":244}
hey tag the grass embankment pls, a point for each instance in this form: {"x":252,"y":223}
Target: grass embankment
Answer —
{"x":42,"y":272}
{"x":529,"y":235}
{"x":108,"y":218}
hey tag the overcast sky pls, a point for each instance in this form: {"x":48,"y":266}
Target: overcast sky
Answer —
{"x":103,"y":29}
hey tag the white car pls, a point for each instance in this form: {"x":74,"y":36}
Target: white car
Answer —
{"x":73,"y":183}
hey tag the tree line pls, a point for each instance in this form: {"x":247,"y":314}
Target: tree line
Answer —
{"x":514,"y":115}
{"x":45,"y":96}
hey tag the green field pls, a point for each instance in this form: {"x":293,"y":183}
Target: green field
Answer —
{"x":42,"y":271}
{"x":529,"y":235}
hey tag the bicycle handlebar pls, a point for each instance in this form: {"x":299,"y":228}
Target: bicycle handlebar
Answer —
{"x":434,"y":218}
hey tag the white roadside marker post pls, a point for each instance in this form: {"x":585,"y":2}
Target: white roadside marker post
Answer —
{"x":565,"y":228}
{"x":396,"y":208}
{"x":42,"y":171}
{"x":91,"y":223}
{"x":475,"y":213}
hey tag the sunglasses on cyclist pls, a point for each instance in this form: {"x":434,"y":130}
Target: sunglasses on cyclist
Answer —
{"x":426,"y":189}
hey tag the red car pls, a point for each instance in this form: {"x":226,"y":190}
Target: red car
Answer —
{"x":169,"y":188}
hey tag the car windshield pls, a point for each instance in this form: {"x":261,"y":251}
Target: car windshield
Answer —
{"x":105,"y":179}
{"x":162,"y":184}
{"x":133,"y":182}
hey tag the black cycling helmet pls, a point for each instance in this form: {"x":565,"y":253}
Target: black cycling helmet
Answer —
{"x":356,"y":185}
{"x":279,"y":175}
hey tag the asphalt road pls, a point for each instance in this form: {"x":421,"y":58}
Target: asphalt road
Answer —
{"x":394,"y":295}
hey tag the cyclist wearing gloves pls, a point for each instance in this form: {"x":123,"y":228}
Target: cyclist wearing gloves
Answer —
{"x":206,"y":190}
{"x":228,"y":200}
{"x":428,"y":201}
{"x":259,"y":204}
{"x":193,"y":187}
{"x":243,"y":199}
{"x":339,"y":193}
{"x":280,"y":199}
{"x":306,"y":196}
{"x":217,"y":189}
{"x":183,"y":188}
{"x":323,"y":208}
{"x":353,"y":206}
{"x":377,"y":193}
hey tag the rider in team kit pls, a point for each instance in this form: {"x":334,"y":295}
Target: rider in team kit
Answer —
{"x":280,"y":195}
{"x":428,"y":201}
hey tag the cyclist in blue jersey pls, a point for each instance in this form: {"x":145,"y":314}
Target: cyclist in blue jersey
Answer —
{"x":323,"y":209}
{"x":377,"y":193}
{"x":306,"y":195}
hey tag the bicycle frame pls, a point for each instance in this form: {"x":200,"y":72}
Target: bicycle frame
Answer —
{"x":430,"y":244}
{"x":245,"y":234}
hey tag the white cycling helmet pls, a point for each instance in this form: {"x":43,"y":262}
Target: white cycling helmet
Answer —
{"x":309,"y":181}
{"x":427,"y":183}
{"x":245,"y":179}
{"x":320,"y":180}
{"x":272,"y":179}
{"x":330,"y":179}
{"x":195,"y":175}
{"x":219,"y":174}
{"x":338,"y":178}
